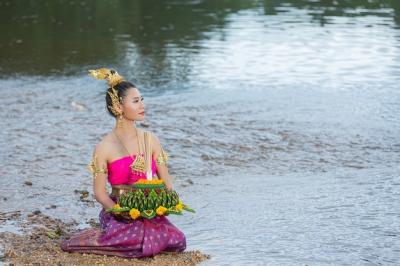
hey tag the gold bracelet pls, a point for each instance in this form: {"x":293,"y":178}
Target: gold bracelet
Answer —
{"x":94,"y":169}
{"x":162,"y":158}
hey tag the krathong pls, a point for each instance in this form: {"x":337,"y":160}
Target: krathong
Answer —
{"x":148,"y":199}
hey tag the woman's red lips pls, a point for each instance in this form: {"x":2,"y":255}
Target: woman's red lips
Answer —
{"x":142,"y":113}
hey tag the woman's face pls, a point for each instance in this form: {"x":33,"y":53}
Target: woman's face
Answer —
{"x":133,"y":106}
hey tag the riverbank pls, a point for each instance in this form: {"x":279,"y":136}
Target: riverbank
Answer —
{"x":36,"y":241}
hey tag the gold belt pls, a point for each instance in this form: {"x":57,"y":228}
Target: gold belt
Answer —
{"x":118,"y":190}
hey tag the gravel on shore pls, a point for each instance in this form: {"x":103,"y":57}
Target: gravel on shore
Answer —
{"x":38,"y":243}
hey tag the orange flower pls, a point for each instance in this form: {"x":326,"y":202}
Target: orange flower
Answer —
{"x":134,"y":213}
{"x":161,"y":210}
{"x":154,"y":181}
{"x":116,"y":206}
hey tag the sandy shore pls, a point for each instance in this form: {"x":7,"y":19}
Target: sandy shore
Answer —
{"x":39,"y":244}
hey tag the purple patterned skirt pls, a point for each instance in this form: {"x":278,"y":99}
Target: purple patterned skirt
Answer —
{"x":132,"y":239}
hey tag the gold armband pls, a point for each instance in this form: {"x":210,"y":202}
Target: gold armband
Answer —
{"x":94,"y":169}
{"x":162,"y":158}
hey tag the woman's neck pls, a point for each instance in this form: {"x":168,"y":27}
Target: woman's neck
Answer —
{"x":127,"y":128}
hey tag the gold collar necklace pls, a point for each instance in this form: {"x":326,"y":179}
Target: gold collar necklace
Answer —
{"x":138,"y":166}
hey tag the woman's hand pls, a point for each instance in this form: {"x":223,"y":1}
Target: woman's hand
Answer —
{"x":122,"y":216}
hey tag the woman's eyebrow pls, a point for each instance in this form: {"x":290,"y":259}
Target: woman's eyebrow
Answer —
{"x":137,"y":97}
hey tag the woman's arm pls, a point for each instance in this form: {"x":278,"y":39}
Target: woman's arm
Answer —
{"x":98,"y":168}
{"x":160,"y":156}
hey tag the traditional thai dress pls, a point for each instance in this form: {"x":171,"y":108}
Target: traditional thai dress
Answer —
{"x":134,"y":238}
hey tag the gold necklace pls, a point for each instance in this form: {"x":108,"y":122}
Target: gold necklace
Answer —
{"x":138,"y":166}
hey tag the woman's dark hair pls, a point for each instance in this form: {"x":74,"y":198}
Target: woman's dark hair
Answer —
{"x":121,"y":89}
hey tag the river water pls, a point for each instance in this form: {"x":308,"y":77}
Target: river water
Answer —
{"x":281,"y":118}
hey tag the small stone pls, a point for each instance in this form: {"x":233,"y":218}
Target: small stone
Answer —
{"x":78,"y":106}
{"x":28,"y":183}
{"x":205,"y":157}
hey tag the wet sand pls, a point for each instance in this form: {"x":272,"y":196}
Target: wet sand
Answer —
{"x":37,"y":242}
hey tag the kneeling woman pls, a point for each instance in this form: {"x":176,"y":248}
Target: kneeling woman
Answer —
{"x":119,"y":159}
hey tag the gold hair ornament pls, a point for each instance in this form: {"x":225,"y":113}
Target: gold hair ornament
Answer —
{"x":113,"y":78}
{"x":115,"y":100}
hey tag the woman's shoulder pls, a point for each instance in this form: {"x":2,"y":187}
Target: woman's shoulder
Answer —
{"x":153,"y":136}
{"x":105,"y":144}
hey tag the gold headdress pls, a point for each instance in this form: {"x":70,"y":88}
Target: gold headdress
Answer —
{"x":113,"y":78}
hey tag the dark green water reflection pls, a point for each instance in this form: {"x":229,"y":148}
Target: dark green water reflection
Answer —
{"x":61,"y":37}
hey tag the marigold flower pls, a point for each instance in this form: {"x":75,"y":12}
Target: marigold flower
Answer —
{"x":145,"y":181}
{"x":179,"y":206}
{"x":161,"y":210}
{"x":134,"y":213}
